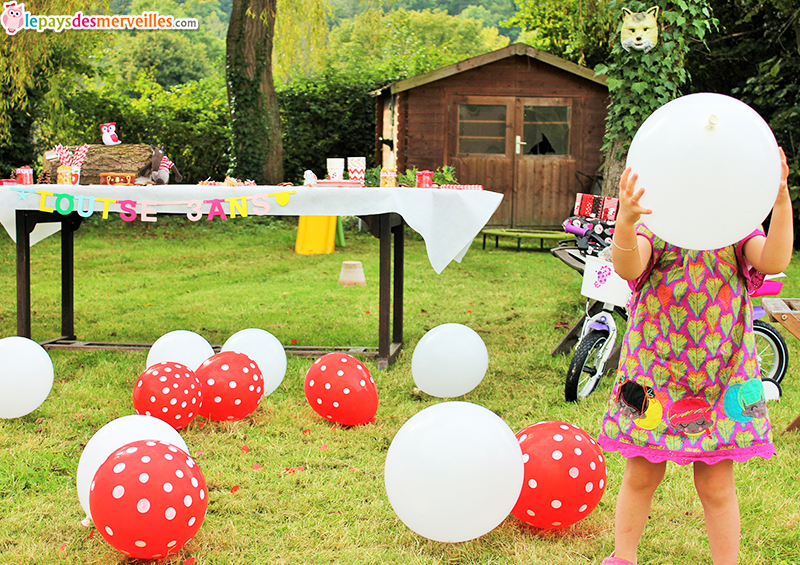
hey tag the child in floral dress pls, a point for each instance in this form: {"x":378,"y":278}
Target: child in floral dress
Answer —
{"x":688,"y":388}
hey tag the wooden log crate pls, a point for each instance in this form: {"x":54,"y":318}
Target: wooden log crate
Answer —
{"x":122,"y":158}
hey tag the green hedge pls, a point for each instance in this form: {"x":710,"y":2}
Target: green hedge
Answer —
{"x":326,"y":117}
{"x":322,"y":118}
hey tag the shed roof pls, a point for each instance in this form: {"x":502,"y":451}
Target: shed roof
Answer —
{"x":486,"y":58}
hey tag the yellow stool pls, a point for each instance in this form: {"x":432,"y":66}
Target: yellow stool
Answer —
{"x":315,"y":235}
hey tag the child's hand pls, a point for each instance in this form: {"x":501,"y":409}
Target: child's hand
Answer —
{"x":629,"y":208}
{"x":783,"y":187}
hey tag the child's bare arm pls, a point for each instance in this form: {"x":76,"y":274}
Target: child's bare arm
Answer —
{"x":630,"y":252}
{"x":772,"y":254}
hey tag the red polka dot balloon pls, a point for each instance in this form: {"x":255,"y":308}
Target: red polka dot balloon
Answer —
{"x":232,"y":386}
{"x":170,"y":392}
{"x":565,"y":475}
{"x":340,"y":389}
{"x":148,"y":499}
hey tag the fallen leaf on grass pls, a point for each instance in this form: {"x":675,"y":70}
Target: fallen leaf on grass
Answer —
{"x":234,"y":488}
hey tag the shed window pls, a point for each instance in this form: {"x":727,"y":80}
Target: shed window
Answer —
{"x":482,"y":128}
{"x":546,"y":130}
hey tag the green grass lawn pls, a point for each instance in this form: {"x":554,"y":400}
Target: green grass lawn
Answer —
{"x":135,"y":282}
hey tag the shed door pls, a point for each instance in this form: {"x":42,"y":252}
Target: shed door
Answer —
{"x":521,"y":147}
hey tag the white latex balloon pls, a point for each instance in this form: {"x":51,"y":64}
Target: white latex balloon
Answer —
{"x":26,"y":376}
{"x":453,"y":472}
{"x":449,"y":360}
{"x":114,"y":435}
{"x":180,"y":346}
{"x":710,"y":167}
{"x":263,"y":348}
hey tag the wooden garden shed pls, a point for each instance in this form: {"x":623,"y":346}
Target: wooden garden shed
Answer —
{"x":517,"y":120}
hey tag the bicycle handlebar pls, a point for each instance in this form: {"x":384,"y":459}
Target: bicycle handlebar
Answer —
{"x":569,"y":228}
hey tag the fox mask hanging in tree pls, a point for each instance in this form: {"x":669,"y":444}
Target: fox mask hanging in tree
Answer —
{"x":639,"y":29}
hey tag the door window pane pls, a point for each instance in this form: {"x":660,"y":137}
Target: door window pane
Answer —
{"x":482,"y":128}
{"x":546,"y":130}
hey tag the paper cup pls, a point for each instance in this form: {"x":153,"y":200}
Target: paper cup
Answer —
{"x":356,"y":168}
{"x":336,"y":169}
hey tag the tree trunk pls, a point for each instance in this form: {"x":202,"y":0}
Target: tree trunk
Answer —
{"x":257,"y":150}
{"x":613,"y":167}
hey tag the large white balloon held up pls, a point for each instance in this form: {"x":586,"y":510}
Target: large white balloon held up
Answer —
{"x":710,"y":167}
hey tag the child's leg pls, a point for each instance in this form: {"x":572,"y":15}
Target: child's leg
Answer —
{"x":639,"y":483}
{"x":717,"y":491}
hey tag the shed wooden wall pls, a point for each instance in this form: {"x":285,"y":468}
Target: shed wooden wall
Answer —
{"x":424,"y":139}
{"x":425,"y":130}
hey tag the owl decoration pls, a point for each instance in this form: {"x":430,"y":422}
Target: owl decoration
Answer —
{"x":109,"y":133}
{"x":639,"y":29}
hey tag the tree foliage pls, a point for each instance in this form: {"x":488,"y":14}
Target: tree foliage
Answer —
{"x":639,"y":82}
{"x":171,"y":57}
{"x":35,"y":71}
{"x":190,"y":120}
{"x":577,"y":30}
{"x":327,"y":116}
{"x":378,"y":46}
{"x":301,"y":32}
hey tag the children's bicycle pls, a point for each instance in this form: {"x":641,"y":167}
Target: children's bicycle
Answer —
{"x":597,"y":338}
{"x":607,"y":294}
{"x":599,"y":331}
{"x":771,"y":349}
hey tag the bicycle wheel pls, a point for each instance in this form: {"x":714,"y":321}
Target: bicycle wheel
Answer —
{"x":773,"y":355}
{"x":583,"y":375}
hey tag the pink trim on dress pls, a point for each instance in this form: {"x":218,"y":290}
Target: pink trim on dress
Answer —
{"x":684,"y":458}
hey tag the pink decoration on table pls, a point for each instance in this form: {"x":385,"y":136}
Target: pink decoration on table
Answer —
{"x":232,"y":386}
{"x":565,"y":475}
{"x":148,"y":499}
{"x":340,"y":389}
{"x":24,"y":175}
{"x":170,"y":392}
{"x":424,"y":179}
{"x":462,"y":186}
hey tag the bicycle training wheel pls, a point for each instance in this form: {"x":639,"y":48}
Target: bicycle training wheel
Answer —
{"x":583,"y":374}
{"x":773,"y":355}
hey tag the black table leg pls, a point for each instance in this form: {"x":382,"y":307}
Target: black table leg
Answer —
{"x":23,"y":275}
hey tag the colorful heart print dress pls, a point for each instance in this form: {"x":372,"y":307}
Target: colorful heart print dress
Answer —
{"x":688,"y":386}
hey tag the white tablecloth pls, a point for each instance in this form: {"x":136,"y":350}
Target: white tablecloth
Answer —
{"x":448,"y":220}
